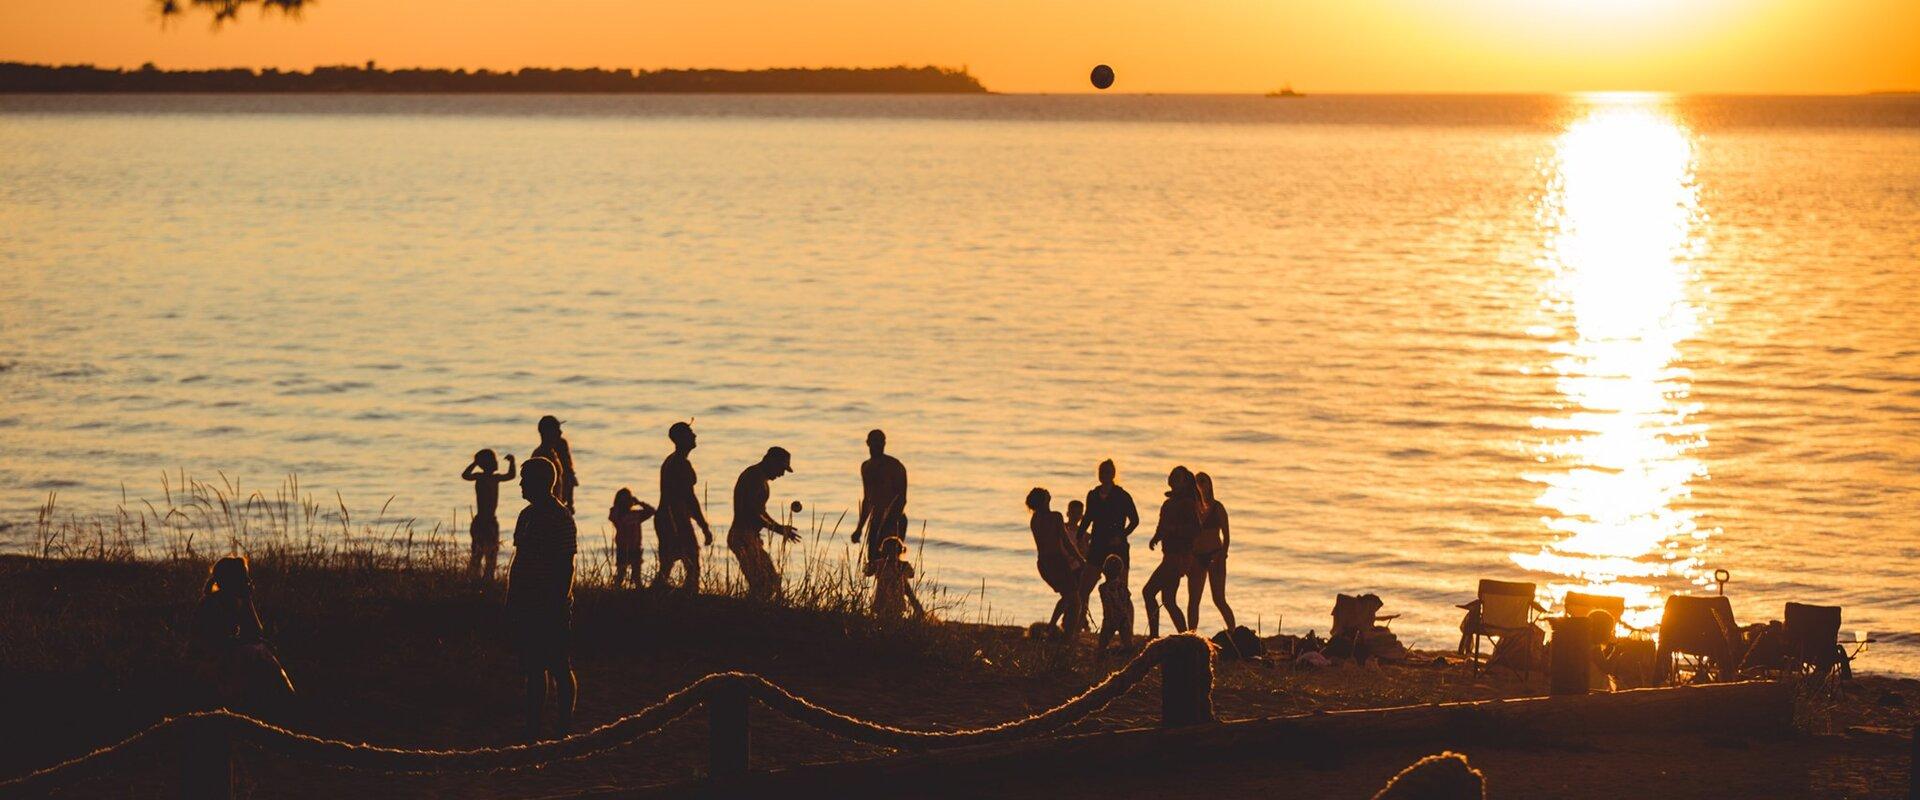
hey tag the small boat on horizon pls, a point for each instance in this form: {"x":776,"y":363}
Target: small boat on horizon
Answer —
{"x":1285,"y":91}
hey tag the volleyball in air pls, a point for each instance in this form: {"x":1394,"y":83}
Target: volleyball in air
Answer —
{"x":1102,"y":76}
{"x":795,"y":506}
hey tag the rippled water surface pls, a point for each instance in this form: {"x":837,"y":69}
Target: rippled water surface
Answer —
{"x":1614,"y":341}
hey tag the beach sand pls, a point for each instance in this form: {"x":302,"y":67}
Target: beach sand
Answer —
{"x":96,"y":651}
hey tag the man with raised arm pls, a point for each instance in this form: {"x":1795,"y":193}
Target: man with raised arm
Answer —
{"x":883,"y":498}
{"x":750,"y":521}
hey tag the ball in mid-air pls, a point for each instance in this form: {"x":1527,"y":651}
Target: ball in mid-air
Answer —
{"x":1102,"y":76}
{"x":795,"y":507}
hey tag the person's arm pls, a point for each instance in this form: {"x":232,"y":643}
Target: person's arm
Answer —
{"x":1067,"y":547}
{"x":472,"y":472}
{"x":786,"y":531}
{"x":1158,"y":529}
{"x":1086,"y":520}
{"x":1132,"y":513}
{"x":1226,"y":533}
{"x":512,"y":469}
{"x":645,"y":511}
{"x":866,"y":506}
{"x":692,"y":501}
{"x":913,"y":599}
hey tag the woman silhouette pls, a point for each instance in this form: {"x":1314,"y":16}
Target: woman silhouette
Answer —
{"x":1179,"y":526}
{"x":1209,"y":555}
{"x":1059,"y":560}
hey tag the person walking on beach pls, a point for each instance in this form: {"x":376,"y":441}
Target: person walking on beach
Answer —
{"x":893,"y":582}
{"x":883,"y":496}
{"x":540,"y":596}
{"x":1060,"y":563}
{"x":627,"y":515}
{"x":485,"y":530}
{"x":553,"y":447}
{"x":1110,"y":518}
{"x":679,"y":512}
{"x":1209,"y":555}
{"x":1179,"y":525}
{"x":750,"y":521}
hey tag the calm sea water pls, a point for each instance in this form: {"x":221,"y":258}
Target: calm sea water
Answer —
{"x":1612,"y":341}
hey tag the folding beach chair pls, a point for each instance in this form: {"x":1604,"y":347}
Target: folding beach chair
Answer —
{"x":1502,"y":609}
{"x":1813,"y":642}
{"x":1353,"y":617}
{"x":1698,"y":636}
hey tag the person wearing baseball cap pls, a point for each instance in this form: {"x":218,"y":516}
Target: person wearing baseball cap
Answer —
{"x":751,"y":520}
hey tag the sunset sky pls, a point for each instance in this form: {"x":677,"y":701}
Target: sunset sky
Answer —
{"x":1767,"y":46}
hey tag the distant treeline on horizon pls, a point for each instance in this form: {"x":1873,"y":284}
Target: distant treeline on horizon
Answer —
{"x":86,"y":78}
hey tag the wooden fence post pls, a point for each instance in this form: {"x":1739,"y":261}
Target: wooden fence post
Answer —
{"x":728,"y":746}
{"x":206,"y":760}
{"x":1186,"y":682}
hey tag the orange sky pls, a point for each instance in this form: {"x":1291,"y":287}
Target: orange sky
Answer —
{"x":1786,"y":46}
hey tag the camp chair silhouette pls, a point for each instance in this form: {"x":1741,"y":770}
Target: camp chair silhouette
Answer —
{"x":1580,"y":604}
{"x":1698,"y":636}
{"x":1502,"y":609}
{"x":1813,"y":641}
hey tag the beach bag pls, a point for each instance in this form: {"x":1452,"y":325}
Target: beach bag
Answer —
{"x":1240,"y":642}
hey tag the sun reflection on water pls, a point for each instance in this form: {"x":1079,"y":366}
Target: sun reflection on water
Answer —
{"x":1620,"y":214}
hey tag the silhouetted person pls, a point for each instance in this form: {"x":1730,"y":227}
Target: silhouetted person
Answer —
{"x":893,"y":581}
{"x":228,"y":638}
{"x":540,"y":595}
{"x":1059,"y":561}
{"x":485,"y":530}
{"x":751,"y":521}
{"x":1179,"y":525}
{"x":883,"y":496}
{"x":553,"y":447}
{"x":1209,"y":555}
{"x":1116,"y":604}
{"x":1110,"y":519}
{"x":679,"y":512}
{"x":627,"y":515}
{"x":1076,"y":513}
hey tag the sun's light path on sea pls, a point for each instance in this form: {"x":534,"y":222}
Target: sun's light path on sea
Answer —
{"x":1621,"y":455}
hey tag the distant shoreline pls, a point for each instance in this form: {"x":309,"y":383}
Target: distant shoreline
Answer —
{"x":21,"y":78}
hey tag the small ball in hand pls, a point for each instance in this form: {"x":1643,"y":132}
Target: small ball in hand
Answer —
{"x":795,"y":507}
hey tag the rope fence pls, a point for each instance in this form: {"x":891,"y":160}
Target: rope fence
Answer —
{"x":205,"y":738}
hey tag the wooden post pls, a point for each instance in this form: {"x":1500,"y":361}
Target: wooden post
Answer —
{"x":1186,"y":682}
{"x":206,"y":760}
{"x":728,"y":746}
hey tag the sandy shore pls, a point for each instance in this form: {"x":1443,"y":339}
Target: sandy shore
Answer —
{"x":97,"y":650}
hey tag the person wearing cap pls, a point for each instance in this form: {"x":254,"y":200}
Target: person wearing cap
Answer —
{"x":679,"y":511}
{"x":883,"y":498}
{"x":751,"y":520}
{"x":553,"y":447}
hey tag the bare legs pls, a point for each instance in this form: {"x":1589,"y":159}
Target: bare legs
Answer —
{"x":566,"y":689}
{"x":1160,"y":587}
{"x":1198,"y":576}
{"x":689,"y":575}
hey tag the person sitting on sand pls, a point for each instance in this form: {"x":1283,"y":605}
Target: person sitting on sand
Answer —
{"x":1116,"y":604}
{"x":679,"y":512}
{"x":485,"y":530}
{"x":883,"y":495}
{"x":1209,"y":555}
{"x":553,"y":447}
{"x":540,"y":595}
{"x":750,"y":521}
{"x":230,"y":643}
{"x":627,"y":515}
{"x":893,"y":581}
{"x":1179,"y":525}
{"x":1060,"y":563}
{"x":1110,"y":519}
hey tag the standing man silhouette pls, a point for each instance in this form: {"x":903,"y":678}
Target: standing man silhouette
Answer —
{"x":553,"y":447}
{"x":883,"y":498}
{"x":540,"y":595}
{"x":679,"y":512}
{"x":1111,"y":516}
{"x":750,"y":520}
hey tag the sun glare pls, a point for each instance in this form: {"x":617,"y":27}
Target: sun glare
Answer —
{"x":1620,"y":213}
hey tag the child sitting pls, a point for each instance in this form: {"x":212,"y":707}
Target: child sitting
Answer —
{"x":892,"y":585}
{"x":1116,"y":605}
{"x":627,"y":514}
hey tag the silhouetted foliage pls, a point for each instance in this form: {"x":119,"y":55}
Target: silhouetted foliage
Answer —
{"x":226,"y":10}
{"x":86,"y":78}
